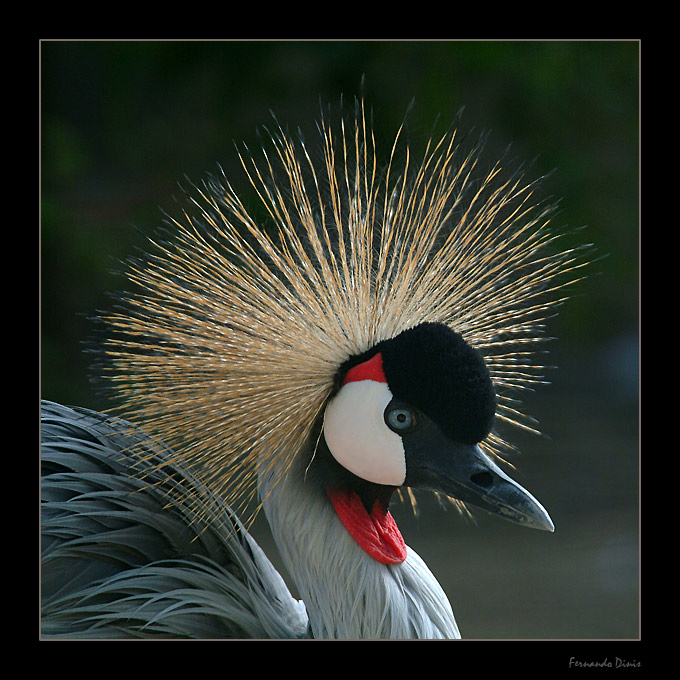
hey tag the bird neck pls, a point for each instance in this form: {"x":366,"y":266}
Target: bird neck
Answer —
{"x":348,"y":593}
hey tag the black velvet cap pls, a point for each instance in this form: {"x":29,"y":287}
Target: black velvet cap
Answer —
{"x":435,"y":370}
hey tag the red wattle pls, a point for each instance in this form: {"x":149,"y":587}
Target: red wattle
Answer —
{"x":376,"y":533}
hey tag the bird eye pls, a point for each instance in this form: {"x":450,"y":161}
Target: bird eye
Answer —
{"x":400,"y":419}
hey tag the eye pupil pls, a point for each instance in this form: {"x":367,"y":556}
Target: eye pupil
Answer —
{"x":400,"y":419}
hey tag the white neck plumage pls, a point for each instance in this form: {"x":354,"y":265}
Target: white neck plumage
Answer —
{"x":348,"y":594}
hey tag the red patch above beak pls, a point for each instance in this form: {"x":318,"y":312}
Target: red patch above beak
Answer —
{"x":368,"y":370}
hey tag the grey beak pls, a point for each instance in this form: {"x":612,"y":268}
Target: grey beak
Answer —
{"x":479,"y":481}
{"x":465,"y":472}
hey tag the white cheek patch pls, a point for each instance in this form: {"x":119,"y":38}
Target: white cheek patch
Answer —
{"x":357,"y":436}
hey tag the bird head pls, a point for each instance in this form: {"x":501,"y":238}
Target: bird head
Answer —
{"x":338,"y":324}
{"x":412,"y":412}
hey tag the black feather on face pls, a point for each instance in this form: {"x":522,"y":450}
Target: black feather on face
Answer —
{"x":431,"y":371}
{"x":435,"y":370}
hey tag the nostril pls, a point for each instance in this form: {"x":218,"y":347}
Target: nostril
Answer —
{"x":483,"y":479}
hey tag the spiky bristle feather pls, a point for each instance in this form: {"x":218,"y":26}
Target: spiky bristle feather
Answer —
{"x":229,"y":349}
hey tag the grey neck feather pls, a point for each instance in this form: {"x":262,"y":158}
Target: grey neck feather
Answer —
{"x":348,"y":594}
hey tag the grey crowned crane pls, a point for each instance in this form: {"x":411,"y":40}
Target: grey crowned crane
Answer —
{"x":354,"y":342}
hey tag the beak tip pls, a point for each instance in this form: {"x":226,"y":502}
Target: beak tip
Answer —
{"x":532,"y":518}
{"x":549,"y":526}
{"x":519,"y":506}
{"x":538,"y":518}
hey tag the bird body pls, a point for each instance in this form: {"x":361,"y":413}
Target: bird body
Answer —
{"x":358,"y":344}
{"x":153,"y":570}
{"x":125,"y":554}
{"x":347,"y":592}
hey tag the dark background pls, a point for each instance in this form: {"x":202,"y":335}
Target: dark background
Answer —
{"x":123,"y":122}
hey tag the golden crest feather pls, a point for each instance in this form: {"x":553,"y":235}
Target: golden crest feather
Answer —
{"x":229,"y":349}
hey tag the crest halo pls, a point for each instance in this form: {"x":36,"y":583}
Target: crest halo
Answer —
{"x":229,"y":348}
